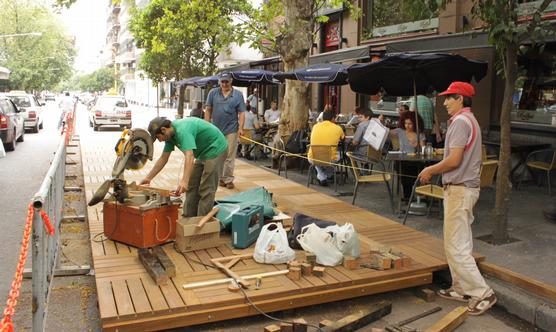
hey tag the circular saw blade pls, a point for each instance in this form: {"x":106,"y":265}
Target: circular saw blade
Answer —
{"x":135,"y":152}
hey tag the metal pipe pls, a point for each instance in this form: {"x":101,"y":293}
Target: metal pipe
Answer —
{"x":39,"y":197}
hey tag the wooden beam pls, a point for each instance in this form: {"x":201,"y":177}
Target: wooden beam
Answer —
{"x":449,"y":322}
{"x":362,"y":318}
{"x":226,"y":280}
{"x":153,"y":267}
{"x":165,"y":261}
{"x":519,"y":280}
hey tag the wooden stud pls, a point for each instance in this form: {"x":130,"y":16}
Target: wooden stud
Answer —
{"x":306,"y":269}
{"x":293,"y":263}
{"x":233,"y":286}
{"x":272,"y":328}
{"x":153,"y":266}
{"x":299,"y":325}
{"x":294,"y":274}
{"x":449,"y":322}
{"x":286,"y":327}
{"x":318,"y":271}
{"x":381,"y":261}
{"x":426,"y":294}
{"x":311,"y":258}
{"x":361,"y":318}
{"x":166,"y":262}
{"x":351,"y":263}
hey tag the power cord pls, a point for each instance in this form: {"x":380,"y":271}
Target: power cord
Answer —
{"x":247,"y":298}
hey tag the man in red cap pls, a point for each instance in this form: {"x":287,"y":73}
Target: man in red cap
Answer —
{"x":460,"y":169}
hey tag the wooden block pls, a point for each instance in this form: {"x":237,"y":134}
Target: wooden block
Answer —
{"x":325,"y":322}
{"x":299,"y":325}
{"x":396,"y":261}
{"x":233,"y":286}
{"x":361,"y":318}
{"x":310,"y":258}
{"x":272,"y":328}
{"x":294,"y":273}
{"x":165,"y":261}
{"x":449,"y":322}
{"x":286,"y":327}
{"x":294,"y":263}
{"x":351,"y":263}
{"x":406,"y":260}
{"x":383,"y":262}
{"x":426,"y":294}
{"x":153,"y":266}
{"x":318,"y":271}
{"x":306,"y":269}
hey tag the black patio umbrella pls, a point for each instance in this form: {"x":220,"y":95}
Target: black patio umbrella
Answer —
{"x":329,"y":73}
{"x":188,"y":81}
{"x":406,"y":74}
{"x":202,"y":82}
{"x":247,"y":77}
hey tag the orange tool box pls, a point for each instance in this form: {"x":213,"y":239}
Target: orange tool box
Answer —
{"x":140,"y":228}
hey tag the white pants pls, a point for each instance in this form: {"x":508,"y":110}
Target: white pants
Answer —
{"x":458,"y":241}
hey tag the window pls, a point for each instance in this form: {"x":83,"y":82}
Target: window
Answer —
{"x":534,"y":99}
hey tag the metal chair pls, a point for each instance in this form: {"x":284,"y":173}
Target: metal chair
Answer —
{"x":376,"y":175}
{"x":540,"y":165}
{"x":324,"y":156}
{"x":243,"y":140}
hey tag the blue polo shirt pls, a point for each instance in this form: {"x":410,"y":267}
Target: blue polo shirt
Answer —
{"x":225,"y":110}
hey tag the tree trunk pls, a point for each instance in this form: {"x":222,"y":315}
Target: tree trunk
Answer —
{"x":181,"y":97}
{"x":503,"y":181}
{"x":294,"y":46}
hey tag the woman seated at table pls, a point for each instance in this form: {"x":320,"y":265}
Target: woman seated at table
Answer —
{"x":407,"y":138}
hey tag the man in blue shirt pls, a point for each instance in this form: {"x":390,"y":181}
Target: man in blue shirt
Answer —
{"x":225,"y":108}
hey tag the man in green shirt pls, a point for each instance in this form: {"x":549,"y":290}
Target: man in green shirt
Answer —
{"x":205,"y":149}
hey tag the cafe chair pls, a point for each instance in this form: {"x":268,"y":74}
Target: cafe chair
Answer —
{"x":433,"y":191}
{"x":547,"y":165}
{"x":485,"y":155}
{"x":244,"y":140}
{"x":378,"y":173}
{"x":488,"y":171}
{"x":324,"y":156}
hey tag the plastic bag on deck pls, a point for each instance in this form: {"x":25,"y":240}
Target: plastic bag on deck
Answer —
{"x":345,"y":239}
{"x":318,"y":241}
{"x":272,"y":245}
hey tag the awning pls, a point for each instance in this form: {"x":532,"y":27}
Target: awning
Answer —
{"x":4,"y":73}
{"x":342,"y":55}
{"x":442,"y":43}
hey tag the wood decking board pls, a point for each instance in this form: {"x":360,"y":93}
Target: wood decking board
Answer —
{"x":129,"y":300}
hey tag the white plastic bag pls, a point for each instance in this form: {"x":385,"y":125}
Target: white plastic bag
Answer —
{"x":316,"y":240}
{"x":345,"y":239}
{"x":272,"y":245}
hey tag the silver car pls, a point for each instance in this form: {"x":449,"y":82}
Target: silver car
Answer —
{"x":31,"y":110}
{"x":110,"y":110}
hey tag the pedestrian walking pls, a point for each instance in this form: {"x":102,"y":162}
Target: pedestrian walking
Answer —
{"x":226,"y":109}
{"x":460,"y":169}
{"x":205,"y":149}
{"x":66,"y":105}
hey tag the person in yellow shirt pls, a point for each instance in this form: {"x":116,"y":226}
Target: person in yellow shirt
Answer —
{"x":326,"y":133}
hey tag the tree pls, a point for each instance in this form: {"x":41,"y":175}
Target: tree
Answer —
{"x":507,"y":30}
{"x":37,"y":62}
{"x":183,"y":38}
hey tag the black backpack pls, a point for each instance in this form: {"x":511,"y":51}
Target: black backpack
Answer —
{"x":296,"y":142}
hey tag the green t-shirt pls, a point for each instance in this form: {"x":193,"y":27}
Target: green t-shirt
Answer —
{"x":198,"y":135}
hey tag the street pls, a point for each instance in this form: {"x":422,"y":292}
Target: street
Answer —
{"x":21,"y":174}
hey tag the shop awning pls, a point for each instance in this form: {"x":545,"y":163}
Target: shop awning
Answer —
{"x":342,"y":55}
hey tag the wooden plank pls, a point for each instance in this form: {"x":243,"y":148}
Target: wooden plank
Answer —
{"x":166,"y":262}
{"x":361,"y":318}
{"x":450,"y":321}
{"x":106,"y":302}
{"x":154,"y":294}
{"x":123,"y":299}
{"x":138,"y":296}
{"x":524,"y":282}
{"x":172,"y":296}
{"x":153,"y":267}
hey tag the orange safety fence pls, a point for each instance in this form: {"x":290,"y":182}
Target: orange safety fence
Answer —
{"x":6,"y":325}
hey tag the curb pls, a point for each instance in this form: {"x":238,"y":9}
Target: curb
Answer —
{"x":533,"y":309}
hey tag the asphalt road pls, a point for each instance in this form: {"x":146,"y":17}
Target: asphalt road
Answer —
{"x":21,"y":174}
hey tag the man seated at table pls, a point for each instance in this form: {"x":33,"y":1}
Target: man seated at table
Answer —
{"x":251,"y":123}
{"x":272,"y":115}
{"x":360,"y":145}
{"x":326,"y":133}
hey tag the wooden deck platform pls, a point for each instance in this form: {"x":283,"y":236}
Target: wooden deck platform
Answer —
{"x":130,"y":301}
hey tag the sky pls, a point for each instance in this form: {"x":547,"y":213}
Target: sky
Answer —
{"x":86,"y":20}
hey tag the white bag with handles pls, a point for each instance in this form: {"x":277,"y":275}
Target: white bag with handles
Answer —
{"x":318,"y":241}
{"x":345,"y":239}
{"x":272,"y":245}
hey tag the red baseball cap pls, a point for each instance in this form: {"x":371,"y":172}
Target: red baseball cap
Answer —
{"x":460,"y":88}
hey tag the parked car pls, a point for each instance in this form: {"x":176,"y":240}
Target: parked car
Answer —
{"x":12,"y":128}
{"x":30,"y":108}
{"x":110,"y":110}
{"x":49,"y":96}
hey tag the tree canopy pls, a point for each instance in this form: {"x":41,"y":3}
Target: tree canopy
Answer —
{"x":36,"y":62}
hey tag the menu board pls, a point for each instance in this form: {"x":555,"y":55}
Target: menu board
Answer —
{"x":376,"y":134}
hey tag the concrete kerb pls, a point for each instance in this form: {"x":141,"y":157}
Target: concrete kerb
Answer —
{"x":537,"y":311}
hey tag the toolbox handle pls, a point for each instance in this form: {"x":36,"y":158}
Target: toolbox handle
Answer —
{"x":156,"y":230}
{"x":206,"y":218}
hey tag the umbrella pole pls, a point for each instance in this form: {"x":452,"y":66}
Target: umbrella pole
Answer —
{"x":416,"y":114}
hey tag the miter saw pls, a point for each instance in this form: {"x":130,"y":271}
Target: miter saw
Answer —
{"x":133,"y":149}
